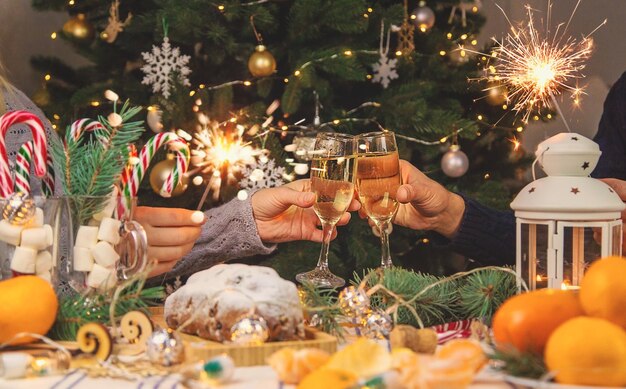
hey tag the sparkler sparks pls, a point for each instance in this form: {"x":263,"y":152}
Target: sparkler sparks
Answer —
{"x":537,"y":67}
{"x":221,"y":155}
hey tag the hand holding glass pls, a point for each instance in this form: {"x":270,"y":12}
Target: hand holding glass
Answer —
{"x":332,"y":181}
{"x":378,"y":180}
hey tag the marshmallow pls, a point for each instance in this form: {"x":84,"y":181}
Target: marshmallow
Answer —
{"x":24,"y":260}
{"x":37,"y":238}
{"x":10,"y":233}
{"x":99,"y":276}
{"x":110,"y":230}
{"x":83,"y":260}
{"x":46,"y":276}
{"x":43,"y":262}
{"x":109,"y":207}
{"x":104,"y":254}
{"x":86,"y":237}
{"x":38,"y":219}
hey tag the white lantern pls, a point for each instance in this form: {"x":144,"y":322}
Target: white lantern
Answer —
{"x":567,"y":219}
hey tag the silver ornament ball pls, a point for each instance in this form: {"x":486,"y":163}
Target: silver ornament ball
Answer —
{"x":165,"y":347}
{"x":18,"y":209}
{"x":423,"y":18}
{"x":354,"y":302}
{"x":454,"y":162}
{"x":377,"y":325}
{"x":249,"y":330}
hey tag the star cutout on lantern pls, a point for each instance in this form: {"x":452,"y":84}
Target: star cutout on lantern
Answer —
{"x":575,"y":138}
{"x":585,"y":165}
{"x":531,"y":190}
{"x":575,"y":191}
{"x":611,"y":190}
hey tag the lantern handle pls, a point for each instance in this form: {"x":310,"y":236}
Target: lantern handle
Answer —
{"x":540,"y":156}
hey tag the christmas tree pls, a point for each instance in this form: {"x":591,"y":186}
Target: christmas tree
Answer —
{"x":350,"y":66}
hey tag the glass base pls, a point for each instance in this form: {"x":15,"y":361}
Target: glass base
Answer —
{"x":321,"y":278}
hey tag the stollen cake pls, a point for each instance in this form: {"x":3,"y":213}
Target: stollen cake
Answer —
{"x":213,"y":300}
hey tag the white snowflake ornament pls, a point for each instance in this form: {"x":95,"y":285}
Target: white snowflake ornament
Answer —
{"x":384,"y":71}
{"x":263,"y":174}
{"x":160,"y":63}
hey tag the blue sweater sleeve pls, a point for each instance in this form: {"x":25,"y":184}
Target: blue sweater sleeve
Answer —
{"x":611,"y":134}
{"x":486,"y":235}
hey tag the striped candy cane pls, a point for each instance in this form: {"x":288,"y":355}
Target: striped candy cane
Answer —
{"x":80,"y":126}
{"x":22,"y":171}
{"x":137,"y":172}
{"x":40,"y":150}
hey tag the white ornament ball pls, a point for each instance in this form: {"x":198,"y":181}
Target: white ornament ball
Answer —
{"x":249,"y":330}
{"x":165,"y":347}
{"x":454,"y":162}
{"x":423,"y":18}
{"x":301,"y":168}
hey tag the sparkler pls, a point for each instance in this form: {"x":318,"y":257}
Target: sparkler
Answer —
{"x":220,"y":156}
{"x":537,"y":67}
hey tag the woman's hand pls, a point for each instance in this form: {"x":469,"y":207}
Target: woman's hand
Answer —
{"x":284,"y":213}
{"x":171,"y":232}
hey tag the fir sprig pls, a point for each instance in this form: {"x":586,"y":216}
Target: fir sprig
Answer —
{"x":76,"y":310}
{"x":483,"y":292}
{"x":321,"y":304}
{"x":91,"y":165}
{"x":520,"y":364}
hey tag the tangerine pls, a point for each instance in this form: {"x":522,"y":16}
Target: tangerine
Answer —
{"x":587,"y":351}
{"x":467,"y":352}
{"x":27,"y":304}
{"x":525,"y":321}
{"x":603,"y":290}
{"x":329,"y":378}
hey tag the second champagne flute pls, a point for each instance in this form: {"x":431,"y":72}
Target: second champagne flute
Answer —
{"x":378,"y":180}
{"x":332,"y":181}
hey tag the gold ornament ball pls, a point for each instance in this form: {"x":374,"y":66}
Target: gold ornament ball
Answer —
{"x":496,"y":94}
{"x":159,"y":174}
{"x":261,"y":62}
{"x":79,"y":27}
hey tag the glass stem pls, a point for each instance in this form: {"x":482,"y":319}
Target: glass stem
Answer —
{"x":327,"y":233}
{"x":385,"y":257}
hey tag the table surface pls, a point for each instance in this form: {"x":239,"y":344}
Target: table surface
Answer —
{"x":257,"y":377}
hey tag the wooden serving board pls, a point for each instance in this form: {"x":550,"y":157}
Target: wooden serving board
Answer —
{"x":197,"y":348}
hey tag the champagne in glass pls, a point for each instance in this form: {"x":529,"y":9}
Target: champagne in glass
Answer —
{"x":332,"y":181}
{"x":378,"y":180}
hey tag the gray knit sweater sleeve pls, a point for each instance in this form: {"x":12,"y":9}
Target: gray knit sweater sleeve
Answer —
{"x":230,"y":232}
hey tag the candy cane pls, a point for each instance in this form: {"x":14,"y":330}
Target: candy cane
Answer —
{"x":22,"y":171}
{"x":131,"y":186}
{"x":40,"y":150}
{"x":86,"y":125}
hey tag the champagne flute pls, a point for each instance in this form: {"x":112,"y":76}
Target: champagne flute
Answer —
{"x":377,"y":181}
{"x":332,"y":181}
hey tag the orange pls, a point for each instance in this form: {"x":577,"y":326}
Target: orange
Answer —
{"x":27,"y":304}
{"x":525,"y":322}
{"x":292,"y":366}
{"x":467,"y":352}
{"x":364,"y":358}
{"x":329,"y":379}
{"x":603,"y":290}
{"x":588,"y":351}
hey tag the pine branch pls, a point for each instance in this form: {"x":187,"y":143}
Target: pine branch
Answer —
{"x":76,"y":310}
{"x":518,"y":364}
{"x":317,"y":302}
{"x":483,"y":292}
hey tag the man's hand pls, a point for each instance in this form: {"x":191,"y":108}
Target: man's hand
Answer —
{"x":171,"y":235}
{"x":425,"y":204}
{"x":284,"y":213}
